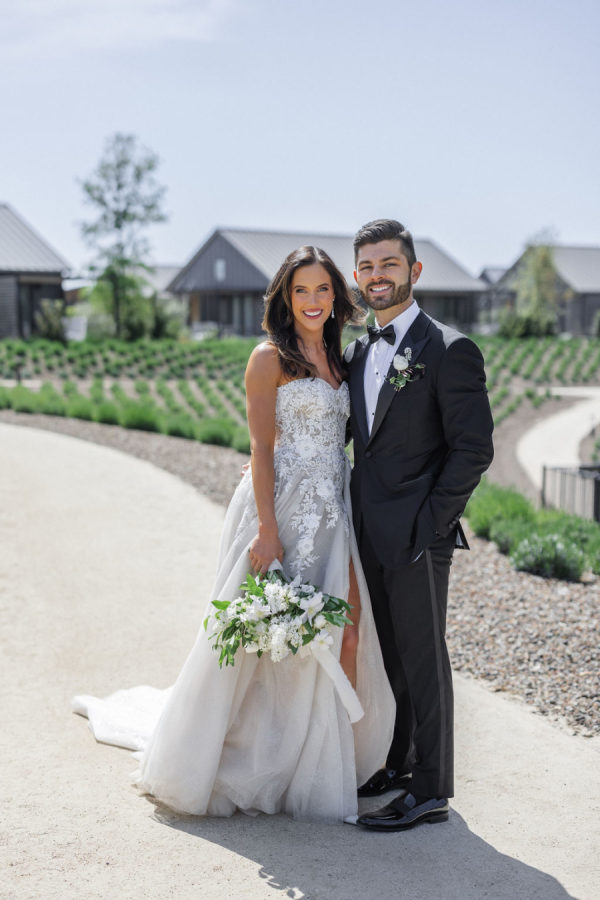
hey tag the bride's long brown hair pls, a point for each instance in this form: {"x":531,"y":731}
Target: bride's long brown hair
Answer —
{"x":278,"y":320}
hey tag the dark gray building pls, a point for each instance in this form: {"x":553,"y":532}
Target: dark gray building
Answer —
{"x":226,"y":279}
{"x":30,"y":271}
{"x":577,"y":285}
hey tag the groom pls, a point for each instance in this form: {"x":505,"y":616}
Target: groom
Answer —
{"x":422,"y":431}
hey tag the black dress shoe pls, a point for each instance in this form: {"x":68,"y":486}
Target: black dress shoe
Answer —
{"x":382,"y":781}
{"x":404,"y":812}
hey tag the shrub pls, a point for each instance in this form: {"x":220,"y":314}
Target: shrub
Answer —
{"x":549,"y":555}
{"x":4,"y":398}
{"x":508,"y":533}
{"x":180,"y":425}
{"x":241,"y":440}
{"x":23,"y":400}
{"x":583,"y":533}
{"x":50,"y":401}
{"x":514,"y":324}
{"x":143,"y":416}
{"x":97,"y":391}
{"x":107,"y":413}
{"x":490,"y":503}
{"x":216,"y":431}
{"x":79,"y":407}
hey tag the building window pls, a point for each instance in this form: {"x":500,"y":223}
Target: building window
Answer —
{"x":219,"y":269}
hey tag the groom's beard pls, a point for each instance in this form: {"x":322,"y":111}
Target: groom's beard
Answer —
{"x":398,"y":296}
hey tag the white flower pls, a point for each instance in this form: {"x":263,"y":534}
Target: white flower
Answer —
{"x":276,"y":596}
{"x":322,"y":640}
{"x":312,"y":605}
{"x":251,"y":648}
{"x":258,"y":611}
{"x":320,"y":621}
{"x":400,"y":363}
{"x":408,"y":353}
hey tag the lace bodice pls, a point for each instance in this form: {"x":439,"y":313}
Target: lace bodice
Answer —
{"x":309,"y":459}
{"x":311,"y":418}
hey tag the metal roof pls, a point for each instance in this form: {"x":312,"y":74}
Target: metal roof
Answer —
{"x":579,"y":267}
{"x":22,"y":249}
{"x":266,"y":250}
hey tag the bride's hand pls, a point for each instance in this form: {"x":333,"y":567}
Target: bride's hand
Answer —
{"x":263,"y":550}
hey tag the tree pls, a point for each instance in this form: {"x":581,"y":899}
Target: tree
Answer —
{"x":538,"y":288}
{"x":127,"y":197}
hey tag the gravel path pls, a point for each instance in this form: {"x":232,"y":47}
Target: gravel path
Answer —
{"x":534,"y":638}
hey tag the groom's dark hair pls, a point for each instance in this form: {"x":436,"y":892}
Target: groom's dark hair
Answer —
{"x":386,"y":230}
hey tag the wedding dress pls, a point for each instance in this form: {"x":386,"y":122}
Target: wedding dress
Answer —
{"x":265,"y":736}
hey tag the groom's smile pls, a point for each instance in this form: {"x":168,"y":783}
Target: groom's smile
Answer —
{"x":385,"y":278}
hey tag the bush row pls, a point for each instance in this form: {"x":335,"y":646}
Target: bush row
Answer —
{"x":143,"y":414}
{"x":544,"y":542}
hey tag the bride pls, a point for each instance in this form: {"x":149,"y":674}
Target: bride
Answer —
{"x":264,"y":736}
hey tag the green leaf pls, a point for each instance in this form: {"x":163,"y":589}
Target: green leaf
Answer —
{"x":221,"y":604}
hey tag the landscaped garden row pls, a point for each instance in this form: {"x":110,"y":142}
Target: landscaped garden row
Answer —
{"x":156,"y":407}
{"x":208,"y":378}
{"x":544,"y":542}
{"x":540,"y":360}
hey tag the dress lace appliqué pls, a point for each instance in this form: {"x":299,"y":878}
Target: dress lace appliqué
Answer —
{"x":309,"y":459}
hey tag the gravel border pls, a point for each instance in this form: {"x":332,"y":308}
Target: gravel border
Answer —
{"x":534,"y":638}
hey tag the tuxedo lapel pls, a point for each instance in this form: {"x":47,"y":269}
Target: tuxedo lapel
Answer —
{"x":357,"y":385}
{"x":414,"y":340}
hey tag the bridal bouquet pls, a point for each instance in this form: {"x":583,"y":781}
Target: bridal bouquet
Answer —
{"x":276,"y":616}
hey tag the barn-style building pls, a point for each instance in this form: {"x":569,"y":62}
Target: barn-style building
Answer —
{"x":225,"y":281}
{"x":30,"y":271}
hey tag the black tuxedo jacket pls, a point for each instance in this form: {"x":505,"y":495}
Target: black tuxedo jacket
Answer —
{"x":429,"y":444}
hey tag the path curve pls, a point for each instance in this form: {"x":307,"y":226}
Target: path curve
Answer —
{"x":105,"y":564}
{"x":555,"y":441}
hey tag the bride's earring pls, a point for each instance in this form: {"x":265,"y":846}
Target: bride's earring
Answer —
{"x":332,"y":308}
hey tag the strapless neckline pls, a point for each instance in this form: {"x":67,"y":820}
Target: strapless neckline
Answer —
{"x":315,"y":378}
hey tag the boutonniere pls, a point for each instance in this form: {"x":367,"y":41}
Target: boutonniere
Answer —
{"x":404,"y":371}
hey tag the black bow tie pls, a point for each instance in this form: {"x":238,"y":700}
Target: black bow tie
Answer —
{"x":387,"y":333}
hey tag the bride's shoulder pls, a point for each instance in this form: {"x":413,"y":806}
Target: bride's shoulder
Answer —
{"x":263,"y":363}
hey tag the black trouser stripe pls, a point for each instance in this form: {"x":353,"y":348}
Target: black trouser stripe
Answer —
{"x":438,"y":659}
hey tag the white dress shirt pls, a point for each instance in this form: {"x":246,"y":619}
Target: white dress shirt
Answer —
{"x":380,"y":356}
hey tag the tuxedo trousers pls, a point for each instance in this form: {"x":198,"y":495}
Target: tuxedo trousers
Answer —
{"x":409,"y":606}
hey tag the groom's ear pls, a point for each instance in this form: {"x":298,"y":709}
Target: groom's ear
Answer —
{"x":415,"y":272}
{"x":355,"y":278}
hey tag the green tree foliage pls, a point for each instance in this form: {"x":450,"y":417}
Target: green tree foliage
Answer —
{"x":127,"y":198}
{"x":538,"y":292}
{"x":49,"y":320}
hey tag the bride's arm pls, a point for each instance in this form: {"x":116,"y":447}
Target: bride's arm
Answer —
{"x":263,"y":374}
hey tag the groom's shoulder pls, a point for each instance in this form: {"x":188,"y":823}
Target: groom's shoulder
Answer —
{"x":445,"y":335}
{"x":449,"y":346}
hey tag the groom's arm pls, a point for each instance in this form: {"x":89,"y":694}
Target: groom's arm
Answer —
{"x":467,"y":425}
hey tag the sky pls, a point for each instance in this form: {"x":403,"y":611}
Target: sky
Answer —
{"x":474,"y":122}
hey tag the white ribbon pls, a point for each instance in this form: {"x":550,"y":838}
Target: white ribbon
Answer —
{"x":340,"y":681}
{"x":333,"y":668}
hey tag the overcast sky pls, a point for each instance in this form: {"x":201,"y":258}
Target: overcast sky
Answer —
{"x":474,"y":122}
